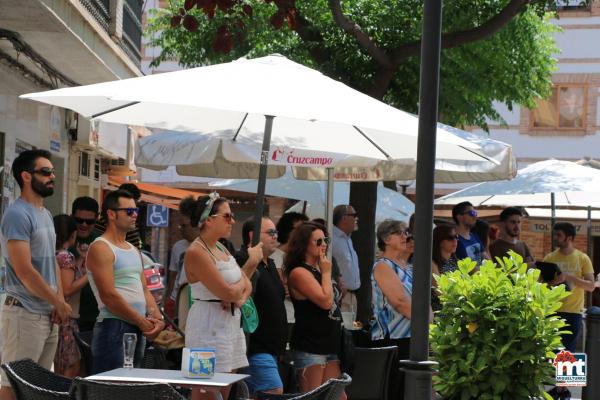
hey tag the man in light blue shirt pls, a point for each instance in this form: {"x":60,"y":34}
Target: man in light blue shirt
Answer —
{"x":345,"y":222}
{"x":34,"y":298}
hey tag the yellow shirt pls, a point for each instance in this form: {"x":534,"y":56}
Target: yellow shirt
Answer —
{"x":577,"y":263}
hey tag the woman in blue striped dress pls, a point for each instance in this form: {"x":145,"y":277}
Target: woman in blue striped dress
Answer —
{"x":391,"y":282}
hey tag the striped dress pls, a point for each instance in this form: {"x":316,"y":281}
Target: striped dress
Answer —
{"x":389,"y":323}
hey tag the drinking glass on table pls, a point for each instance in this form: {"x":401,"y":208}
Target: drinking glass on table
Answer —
{"x":129,"y":343}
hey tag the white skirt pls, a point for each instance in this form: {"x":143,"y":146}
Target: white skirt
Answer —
{"x":209,"y":326}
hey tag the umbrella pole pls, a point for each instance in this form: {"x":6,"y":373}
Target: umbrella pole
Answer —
{"x":552,"y":219}
{"x":418,"y":368}
{"x":329,"y":207}
{"x":262,"y":179}
{"x":589,"y":231}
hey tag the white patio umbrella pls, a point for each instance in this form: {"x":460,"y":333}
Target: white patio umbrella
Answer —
{"x":390,"y":204}
{"x":549,"y":183}
{"x":573,"y":186}
{"x":302,"y":111}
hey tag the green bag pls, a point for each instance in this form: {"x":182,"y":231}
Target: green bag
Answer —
{"x":249,"y":316}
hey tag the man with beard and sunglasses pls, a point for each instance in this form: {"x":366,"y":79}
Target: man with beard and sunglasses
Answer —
{"x":116,"y":274}
{"x":469,"y":244}
{"x":34,"y":298}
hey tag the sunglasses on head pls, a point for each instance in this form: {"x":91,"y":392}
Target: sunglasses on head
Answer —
{"x":320,"y":241}
{"x":228,"y":216}
{"x":471,"y":213}
{"x":45,"y":171}
{"x":86,"y":221}
{"x":271,"y":232}
{"x":128,"y":210}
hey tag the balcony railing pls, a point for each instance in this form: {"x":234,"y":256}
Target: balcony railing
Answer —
{"x":130,"y":37}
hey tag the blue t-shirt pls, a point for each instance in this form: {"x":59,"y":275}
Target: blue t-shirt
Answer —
{"x":25,"y":222}
{"x":472,"y":248}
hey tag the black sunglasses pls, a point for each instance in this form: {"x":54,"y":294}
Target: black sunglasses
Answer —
{"x":129,"y":210}
{"x":228,"y":216}
{"x":272,"y":232}
{"x":87,"y":221}
{"x":451,"y":237}
{"x":320,"y":241}
{"x":45,"y":171}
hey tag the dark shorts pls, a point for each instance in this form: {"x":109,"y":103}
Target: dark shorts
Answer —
{"x":264,"y":373}
{"x":107,"y":344}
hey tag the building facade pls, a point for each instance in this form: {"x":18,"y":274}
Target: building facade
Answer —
{"x":49,"y":44}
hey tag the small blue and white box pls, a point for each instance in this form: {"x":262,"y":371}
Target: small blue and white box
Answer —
{"x":198,"y":362}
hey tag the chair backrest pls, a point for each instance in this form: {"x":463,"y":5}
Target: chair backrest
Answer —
{"x":330,"y":390}
{"x":371,"y":374}
{"x":183,"y":306}
{"x":84,"y":342}
{"x":33,"y":382}
{"x":84,"y":389}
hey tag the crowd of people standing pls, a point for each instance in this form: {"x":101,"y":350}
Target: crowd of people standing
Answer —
{"x":84,"y":272}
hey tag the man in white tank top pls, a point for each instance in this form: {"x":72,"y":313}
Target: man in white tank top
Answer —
{"x":117,"y":279}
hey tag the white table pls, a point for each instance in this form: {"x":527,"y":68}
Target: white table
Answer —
{"x":174,"y":377}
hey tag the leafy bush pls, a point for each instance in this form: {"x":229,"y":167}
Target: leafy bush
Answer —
{"x":496,"y":331}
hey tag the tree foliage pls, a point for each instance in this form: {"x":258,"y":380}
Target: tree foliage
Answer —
{"x":486,"y":60}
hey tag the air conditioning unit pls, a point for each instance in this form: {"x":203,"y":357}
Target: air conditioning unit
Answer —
{"x":120,"y":167}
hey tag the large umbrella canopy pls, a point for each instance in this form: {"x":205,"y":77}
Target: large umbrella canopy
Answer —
{"x":308,"y":108}
{"x":573,"y":186}
{"x":215,"y":154}
{"x":390,"y":204}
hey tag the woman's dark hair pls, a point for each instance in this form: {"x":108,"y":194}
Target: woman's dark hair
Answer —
{"x":482,"y":229}
{"x":297,"y":245}
{"x":64,"y":225}
{"x":193,"y":208}
{"x":285,"y":225}
{"x":441,"y":232}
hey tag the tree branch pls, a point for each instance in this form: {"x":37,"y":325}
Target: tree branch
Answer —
{"x":362,"y":38}
{"x":313,"y":38}
{"x":455,"y":39}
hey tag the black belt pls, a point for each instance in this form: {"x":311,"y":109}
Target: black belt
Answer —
{"x":217,"y":301}
{"x":11,"y":301}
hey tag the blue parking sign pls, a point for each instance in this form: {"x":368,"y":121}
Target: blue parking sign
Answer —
{"x":157,"y":216}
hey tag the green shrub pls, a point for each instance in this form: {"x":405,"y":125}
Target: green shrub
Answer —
{"x":496,"y":331}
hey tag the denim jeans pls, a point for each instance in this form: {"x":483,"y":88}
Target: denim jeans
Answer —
{"x":107,"y":344}
{"x":569,"y":340}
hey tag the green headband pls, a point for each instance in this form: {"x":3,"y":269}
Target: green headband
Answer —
{"x":212,"y":197}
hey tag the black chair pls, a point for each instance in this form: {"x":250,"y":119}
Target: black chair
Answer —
{"x":83,"y":389}
{"x":33,"y":382}
{"x":330,"y":390}
{"x":371,"y":374}
{"x":84,"y":342}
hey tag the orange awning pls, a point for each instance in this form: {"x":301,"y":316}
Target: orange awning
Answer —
{"x":157,"y":194}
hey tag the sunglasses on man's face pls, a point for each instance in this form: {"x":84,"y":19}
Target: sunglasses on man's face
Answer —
{"x":227,"y":216}
{"x":471,"y":213}
{"x":271,"y":232}
{"x":86,"y":221}
{"x":128,"y":210}
{"x":44,"y":171}
{"x":451,"y":237}
{"x":321,"y":241}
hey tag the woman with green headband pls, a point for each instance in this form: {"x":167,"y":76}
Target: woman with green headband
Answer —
{"x":219,"y":288}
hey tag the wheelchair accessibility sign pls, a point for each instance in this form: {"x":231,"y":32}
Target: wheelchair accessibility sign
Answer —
{"x":157,"y":216}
